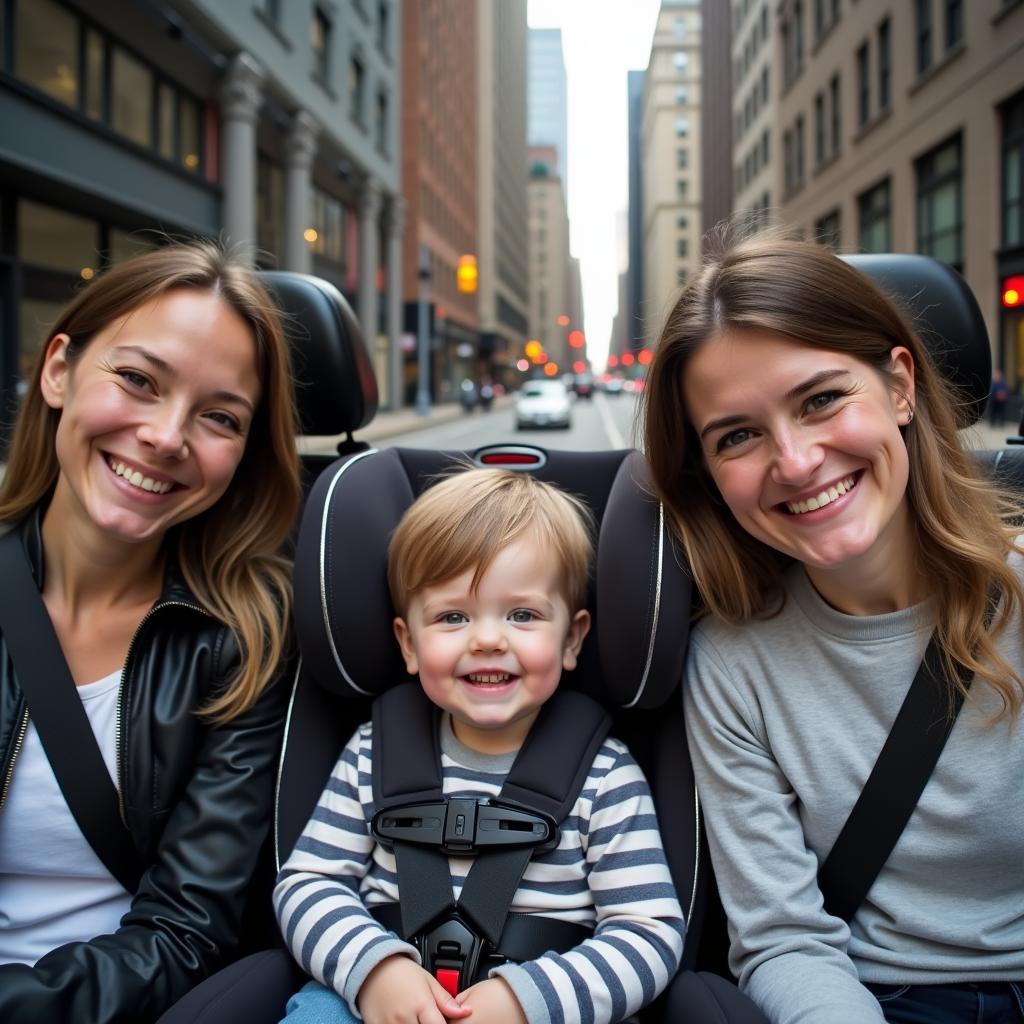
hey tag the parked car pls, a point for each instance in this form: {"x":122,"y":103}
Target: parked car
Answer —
{"x":543,"y":403}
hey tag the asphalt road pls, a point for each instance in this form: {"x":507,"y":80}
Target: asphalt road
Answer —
{"x":598,"y":424}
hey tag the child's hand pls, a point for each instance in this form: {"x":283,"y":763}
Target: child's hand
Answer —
{"x":492,"y":1002}
{"x":399,"y":991}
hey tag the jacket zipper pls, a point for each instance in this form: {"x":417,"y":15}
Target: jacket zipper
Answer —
{"x":14,"y":755}
{"x":122,"y":698}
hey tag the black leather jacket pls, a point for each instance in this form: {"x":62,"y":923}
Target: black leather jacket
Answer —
{"x":197,"y":801}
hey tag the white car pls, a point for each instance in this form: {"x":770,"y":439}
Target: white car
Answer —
{"x":543,"y":403}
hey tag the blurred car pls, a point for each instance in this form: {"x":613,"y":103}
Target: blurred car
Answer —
{"x":583,"y":385}
{"x":543,"y":403}
{"x":613,"y":386}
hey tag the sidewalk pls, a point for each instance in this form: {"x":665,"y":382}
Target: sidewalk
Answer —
{"x":391,"y":424}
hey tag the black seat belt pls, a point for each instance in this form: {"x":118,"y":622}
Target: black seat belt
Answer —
{"x":59,"y":717}
{"x":894,"y":786}
{"x":424,"y":828}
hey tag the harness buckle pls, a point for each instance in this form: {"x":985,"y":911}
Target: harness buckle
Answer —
{"x":464,"y":825}
{"x":451,"y":953}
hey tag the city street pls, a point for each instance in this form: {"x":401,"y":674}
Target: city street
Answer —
{"x":599,"y":423}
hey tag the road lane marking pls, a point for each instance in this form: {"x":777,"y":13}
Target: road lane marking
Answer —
{"x":615,"y":438}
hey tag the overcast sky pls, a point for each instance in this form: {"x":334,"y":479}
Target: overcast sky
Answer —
{"x":602,"y":39}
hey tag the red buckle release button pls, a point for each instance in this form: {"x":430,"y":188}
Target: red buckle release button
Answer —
{"x":449,"y":979}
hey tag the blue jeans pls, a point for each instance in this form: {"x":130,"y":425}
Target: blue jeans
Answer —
{"x":316,"y":1004}
{"x":985,"y":1002}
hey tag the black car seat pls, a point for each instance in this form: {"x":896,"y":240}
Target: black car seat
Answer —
{"x":632,"y":660}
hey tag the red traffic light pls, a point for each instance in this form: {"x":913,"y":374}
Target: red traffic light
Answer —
{"x":1013,"y":291}
{"x":576,"y":339}
{"x":627,"y":359}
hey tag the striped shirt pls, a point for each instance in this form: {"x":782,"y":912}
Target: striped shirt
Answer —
{"x":608,"y":871}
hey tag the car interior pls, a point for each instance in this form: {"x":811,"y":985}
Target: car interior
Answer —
{"x":632,"y":661}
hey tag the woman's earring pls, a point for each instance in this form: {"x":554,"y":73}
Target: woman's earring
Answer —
{"x":910,"y":416}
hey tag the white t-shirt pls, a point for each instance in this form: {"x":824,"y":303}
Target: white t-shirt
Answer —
{"x":53,"y":887}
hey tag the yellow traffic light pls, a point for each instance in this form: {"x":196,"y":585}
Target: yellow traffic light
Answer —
{"x":466,"y":274}
{"x":532,"y":350}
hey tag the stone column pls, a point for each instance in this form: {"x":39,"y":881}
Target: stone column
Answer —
{"x":300,"y":147}
{"x":369,"y":213}
{"x":394,"y":224}
{"x":241,"y":92}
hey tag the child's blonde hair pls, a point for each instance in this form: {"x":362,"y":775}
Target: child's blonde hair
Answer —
{"x":464,"y":521}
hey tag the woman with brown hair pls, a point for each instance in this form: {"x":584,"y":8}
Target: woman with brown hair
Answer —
{"x":807,"y":452}
{"x":151,"y":483}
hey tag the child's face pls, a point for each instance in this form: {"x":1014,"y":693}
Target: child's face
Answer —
{"x":493,"y":657}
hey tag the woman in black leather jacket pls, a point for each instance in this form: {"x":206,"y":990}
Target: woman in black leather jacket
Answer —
{"x":152,"y":481}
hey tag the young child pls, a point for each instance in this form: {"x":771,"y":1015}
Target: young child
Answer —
{"x":488,"y":570}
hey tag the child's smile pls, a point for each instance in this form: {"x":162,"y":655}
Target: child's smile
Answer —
{"x":492,"y":657}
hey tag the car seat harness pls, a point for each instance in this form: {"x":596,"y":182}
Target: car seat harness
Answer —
{"x":459,"y":942}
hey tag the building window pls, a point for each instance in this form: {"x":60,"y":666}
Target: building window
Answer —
{"x":320,"y":41}
{"x":83,"y":68}
{"x":682,"y":248}
{"x":682,"y":158}
{"x":682,"y":221}
{"x":787,"y":160}
{"x":681,"y":275}
{"x":679,"y":26}
{"x":940,"y":203}
{"x":680,"y":59}
{"x":356,"y":88}
{"x":329,"y":228}
{"x":923,"y":23}
{"x":682,"y":187}
{"x":835,"y":98}
{"x":131,"y":112}
{"x":1013,"y":172}
{"x":798,"y":146}
{"x":819,"y":128}
{"x":826,"y":230}
{"x":682,"y":127}
{"x":46,"y":54}
{"x":383,"y":26}
{"x":863,"y":86}
{"x":272,"y":11}
{"x":382,"y":123}
{"x":875,"y":219}
{"x":954,"y":23}
{"x":765,"y":146}
{"x":884,"y":65}
{"x":682,"y":96}
{"x":793,"y":43}
{"x":269,"y":212}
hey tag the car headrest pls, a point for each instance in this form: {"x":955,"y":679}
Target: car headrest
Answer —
{"x":335,"y":387}
{"x":946,"y":315}
{"x":639,"y":597}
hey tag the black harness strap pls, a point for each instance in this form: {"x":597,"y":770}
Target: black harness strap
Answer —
{"x":546,"y":778}
{"x":407,"y":769}
{"x":893,"y":788}
{"x":60,"y":719}
{"x":547,"y":775}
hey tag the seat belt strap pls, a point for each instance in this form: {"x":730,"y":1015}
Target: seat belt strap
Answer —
{"x":547,"y":776}
{"x":406,"y":769}
{"x":59,"y":717}
{"x":893,"y":788}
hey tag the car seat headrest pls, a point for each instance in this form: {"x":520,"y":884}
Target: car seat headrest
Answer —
{"x":946,"y":315}
{"x":335,"y":387}
{"x":640,"y":597}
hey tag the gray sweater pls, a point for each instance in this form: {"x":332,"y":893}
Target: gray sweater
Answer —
{"x":785,"y":718}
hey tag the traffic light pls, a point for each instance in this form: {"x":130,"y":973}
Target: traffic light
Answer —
{"x":644,"y":356}
{"x":532,"y":350}
{"x":466,"y":275}
{"x":1013,"y":291}
{"x":576,"y":339}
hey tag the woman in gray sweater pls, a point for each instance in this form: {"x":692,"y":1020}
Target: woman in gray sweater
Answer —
{"x":806,"y":449}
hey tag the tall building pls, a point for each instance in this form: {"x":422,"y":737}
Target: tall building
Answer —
{"x":272,"y":125}
{"x":716,"y":113}
{"x":553,"y":282}
{"x":902,"y":129}
{"x":440,"y":159}
{"x":547,"y":96}
{"x":504,"y":284}
{"x":632,"y":328}
{"x":671,"y":159}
